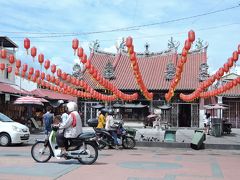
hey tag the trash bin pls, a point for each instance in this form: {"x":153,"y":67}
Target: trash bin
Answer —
{"x":131,"y":131}
{"x":198,"y":138}
{"x":216,"y":127}
{"x":170,"y":135}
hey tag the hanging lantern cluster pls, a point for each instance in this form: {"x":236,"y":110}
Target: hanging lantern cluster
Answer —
{"x":180,"y":65}
{"x":217,"y":76}
{"x":101,"y":80}
{"x":136,"y":70}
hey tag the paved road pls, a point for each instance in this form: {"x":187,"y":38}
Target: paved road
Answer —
{"x":143,"y":163}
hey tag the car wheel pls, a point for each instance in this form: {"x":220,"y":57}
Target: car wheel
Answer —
{"x":5,"y":139}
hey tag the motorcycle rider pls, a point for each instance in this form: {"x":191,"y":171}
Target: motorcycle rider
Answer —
{"x":71,"y":127}
{"x":110,"y":127}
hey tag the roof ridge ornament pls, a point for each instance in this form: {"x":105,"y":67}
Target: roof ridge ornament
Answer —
{"x":173,"y":45}
{"x":108,"y":72}
{"x":200,"y":46}
{"x":77,"y":71}
{"x":203,"y":74}
{"x":121,"y":46}
{"x":94,"y":46}
{"x":147,"y":52}
{"x":170,"y":71}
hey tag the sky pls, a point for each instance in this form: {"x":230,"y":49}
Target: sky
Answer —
{"x":52,"y":25}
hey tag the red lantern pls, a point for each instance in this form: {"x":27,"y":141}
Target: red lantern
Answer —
{"x":221,"y":72}
{"x":9,"y":69}
{"x":64,"y":76}
{"x":33,"y":52}
{"x":26,"y":44}
{"x":80,"y":52}
{"x":3,"y":53}
{"x":75,"y":43}
{"x":41,"y":58}
{"x":37,"y":73}
{"x":191,"y":36}
{"x":68,"y":78}
{"x":226,"y":67}
{"x":29,"y":77}
{"x":131,"y":49}
{"x":11,"y":59}
{"x":52,"y":79}
{"x":16,"y":72}
{"x":31,"y":71}
{"x":59,"y":72}
{"x":25,"y":67}
{"x":57,"y":81}
{"x":48,"y":77}
{"x":230,"y":62}
{"x":61,"y":84}
{"x":18,"y":64}
{"x":187,"y":45}
{"x":42,"y":75}
{"x":239,"y":49}
{"x":183,"y":59}
{"x":23,"y":73}
{"x":129,"y":41}
{"x":34,"y":78}
{"x":184,"y":52}
{"x":53,"y":68}
{"x":73,"y":80}
{"x":47,"y":64}
{"x":133,"y":57}
{"x":38,"y":81}
{"x":84,"y":58}
{"x":235,"y":56}
{"x":235,"y":82}
{"x":2,"y":66}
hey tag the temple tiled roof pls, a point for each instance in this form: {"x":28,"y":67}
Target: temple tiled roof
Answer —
{"x":152,"y":69}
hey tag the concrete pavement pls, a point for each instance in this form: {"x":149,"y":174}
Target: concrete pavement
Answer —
{"x":154,"y":137}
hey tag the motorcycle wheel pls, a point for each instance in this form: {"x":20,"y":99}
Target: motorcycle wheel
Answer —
{"x":89,"y":153}
{"x":128,"y":142}
{"x":40,"y":152}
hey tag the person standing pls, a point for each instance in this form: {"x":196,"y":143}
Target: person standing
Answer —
{"x":101,"y":120}
{"x":48,"y":120}
{"x":207,"y":123}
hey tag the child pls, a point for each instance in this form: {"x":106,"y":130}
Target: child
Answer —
{"x":57,"y":119}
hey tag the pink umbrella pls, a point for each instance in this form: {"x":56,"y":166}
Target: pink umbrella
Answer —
{"x":29,"y":100}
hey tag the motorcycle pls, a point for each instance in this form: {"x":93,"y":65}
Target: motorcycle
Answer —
{"x":104,"y":137}
{"x":84,"y":148}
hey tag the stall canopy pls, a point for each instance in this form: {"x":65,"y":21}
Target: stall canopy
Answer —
{"x":29,"y":100}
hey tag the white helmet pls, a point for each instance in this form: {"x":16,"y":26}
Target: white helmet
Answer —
{"x":72,"y":106}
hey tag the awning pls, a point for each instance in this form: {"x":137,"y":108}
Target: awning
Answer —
{"x":12,"y":89}
{"x":48,"y":94}
{"x":29,"y":100}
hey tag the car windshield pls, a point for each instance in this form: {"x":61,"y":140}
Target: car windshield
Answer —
{"x":4,"y":118}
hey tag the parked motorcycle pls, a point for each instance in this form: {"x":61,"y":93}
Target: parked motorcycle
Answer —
{"x":84,"y":148}
{"x":104,"y":137}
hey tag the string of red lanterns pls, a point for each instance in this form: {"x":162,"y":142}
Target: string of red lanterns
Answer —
{"x":136,"y":70}
{"x":101,"y":80}
{"x":180,"y":65}
{"x":217,"y":76}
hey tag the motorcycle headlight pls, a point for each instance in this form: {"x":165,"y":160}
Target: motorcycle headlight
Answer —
{"x":15,"y":128}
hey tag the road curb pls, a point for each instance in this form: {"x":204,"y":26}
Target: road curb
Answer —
{"x":187,"y":145}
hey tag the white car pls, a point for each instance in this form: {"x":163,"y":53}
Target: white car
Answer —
{"x":12,"y":132}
